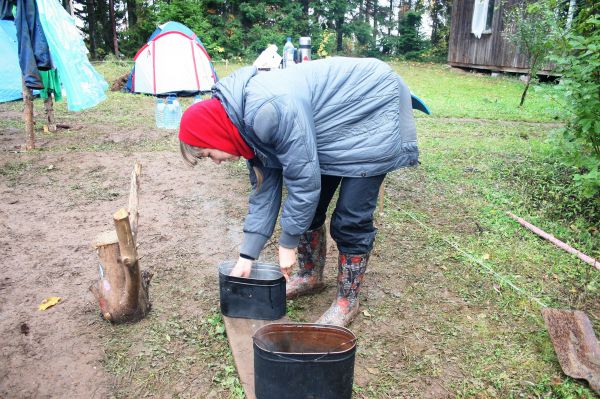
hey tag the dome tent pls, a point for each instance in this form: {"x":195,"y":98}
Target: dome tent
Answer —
{"x":10,"y":72}
{"x":173,"y":61}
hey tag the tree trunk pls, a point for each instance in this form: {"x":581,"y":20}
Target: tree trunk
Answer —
{"x":113,"y":26}
{"x":122,"y":290}
{"x":91,"y":20}
{"x":391,"y":18}
{"x":525,"y":91}
{"x":375,"y":11}
{"x":339,"y":23}
{"x":131,"y":13}
{"x":28,"y":117}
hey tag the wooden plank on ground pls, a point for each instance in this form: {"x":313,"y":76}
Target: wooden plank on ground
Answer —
{"x":239,"y":334}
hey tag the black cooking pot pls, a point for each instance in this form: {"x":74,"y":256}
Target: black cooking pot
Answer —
{"x":260,"y":296}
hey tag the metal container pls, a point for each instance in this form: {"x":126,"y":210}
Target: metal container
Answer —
{"x":305,"y":49}
{"x":301,"y":361}
{"x":260,"y":296}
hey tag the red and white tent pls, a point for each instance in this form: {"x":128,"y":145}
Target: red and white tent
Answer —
{"x":173,"y":61}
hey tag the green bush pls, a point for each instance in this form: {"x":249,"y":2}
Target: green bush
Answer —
{"x":580,"y":69}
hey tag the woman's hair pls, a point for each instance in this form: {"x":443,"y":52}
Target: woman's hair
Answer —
{"x":191,"y":155}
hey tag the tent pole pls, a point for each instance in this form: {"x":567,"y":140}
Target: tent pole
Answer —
{"x":28,"y":117}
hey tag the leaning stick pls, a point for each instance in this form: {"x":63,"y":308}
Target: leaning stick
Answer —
{"x":133,"y":198}
{"x":556,"y":241}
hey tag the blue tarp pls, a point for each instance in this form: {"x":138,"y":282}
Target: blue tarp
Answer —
{"x":10,"y":72}
{"x":84,"y":85}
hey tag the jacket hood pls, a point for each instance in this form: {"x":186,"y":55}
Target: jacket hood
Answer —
{"x":231,"y":91}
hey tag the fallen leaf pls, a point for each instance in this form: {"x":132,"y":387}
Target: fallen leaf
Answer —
{"x":49,"y":302}
{"x":366,"y":313}
{"x":372,"y":370}
{"x":486,"y":256}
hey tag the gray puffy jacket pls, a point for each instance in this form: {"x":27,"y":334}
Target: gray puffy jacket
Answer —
{"x":337,"y":116}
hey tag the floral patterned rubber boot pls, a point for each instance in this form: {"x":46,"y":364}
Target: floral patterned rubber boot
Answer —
{"x":351,"y":272}
{"x":312,"y":251}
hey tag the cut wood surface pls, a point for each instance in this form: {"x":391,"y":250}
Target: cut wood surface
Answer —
{"x":239,"y":335}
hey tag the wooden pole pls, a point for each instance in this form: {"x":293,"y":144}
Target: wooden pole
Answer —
{"x":556,"y":241}
{"x":49,"y":108}
{"x":28,"y":117}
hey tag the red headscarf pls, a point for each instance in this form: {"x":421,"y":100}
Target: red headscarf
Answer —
{"x":206,"y":125}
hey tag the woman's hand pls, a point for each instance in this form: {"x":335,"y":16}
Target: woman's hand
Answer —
{"x":242,"y":268}
{"x":287,"y":259}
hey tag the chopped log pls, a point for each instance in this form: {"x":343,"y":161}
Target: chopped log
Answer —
{"x":28,"y":117}
{"x":49,"y":108}
{"x":122,"y":290}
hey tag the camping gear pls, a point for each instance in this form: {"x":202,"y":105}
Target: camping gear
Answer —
{"x":260,"y":296}
{"x":305,"y":49}
{"x":299,"y":361}
{"x":312,"y":252}
{"x":268,"y":59}
{"x":288,"y":53}
{"x":351,"y":271}
{"x":172,"y":115}
{"x":173,"y":61}
{"x":575,"y":344}
{"x":84,"y":86}
{"x":10,"y":72}
{"x":159,"y":113}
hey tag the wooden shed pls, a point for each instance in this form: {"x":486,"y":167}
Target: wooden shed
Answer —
{"x":490,"y":51}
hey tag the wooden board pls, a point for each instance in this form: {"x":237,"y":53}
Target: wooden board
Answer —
{"x":239,"y":334}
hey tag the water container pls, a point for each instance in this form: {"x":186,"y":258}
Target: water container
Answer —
{"x":159,"y":113}
{"x":300,"y":361}
{"x":178,"y":113}
{"x":171,"y":114}
{"x":288,"y":53}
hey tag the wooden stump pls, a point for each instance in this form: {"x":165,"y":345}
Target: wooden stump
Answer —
{"x":122,"y":290}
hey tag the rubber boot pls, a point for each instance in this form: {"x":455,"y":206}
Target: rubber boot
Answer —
{"x":312,"y":251}
{"x":351,"y":271}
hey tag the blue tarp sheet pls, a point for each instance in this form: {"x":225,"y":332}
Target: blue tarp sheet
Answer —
{"x":10,"y":72}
